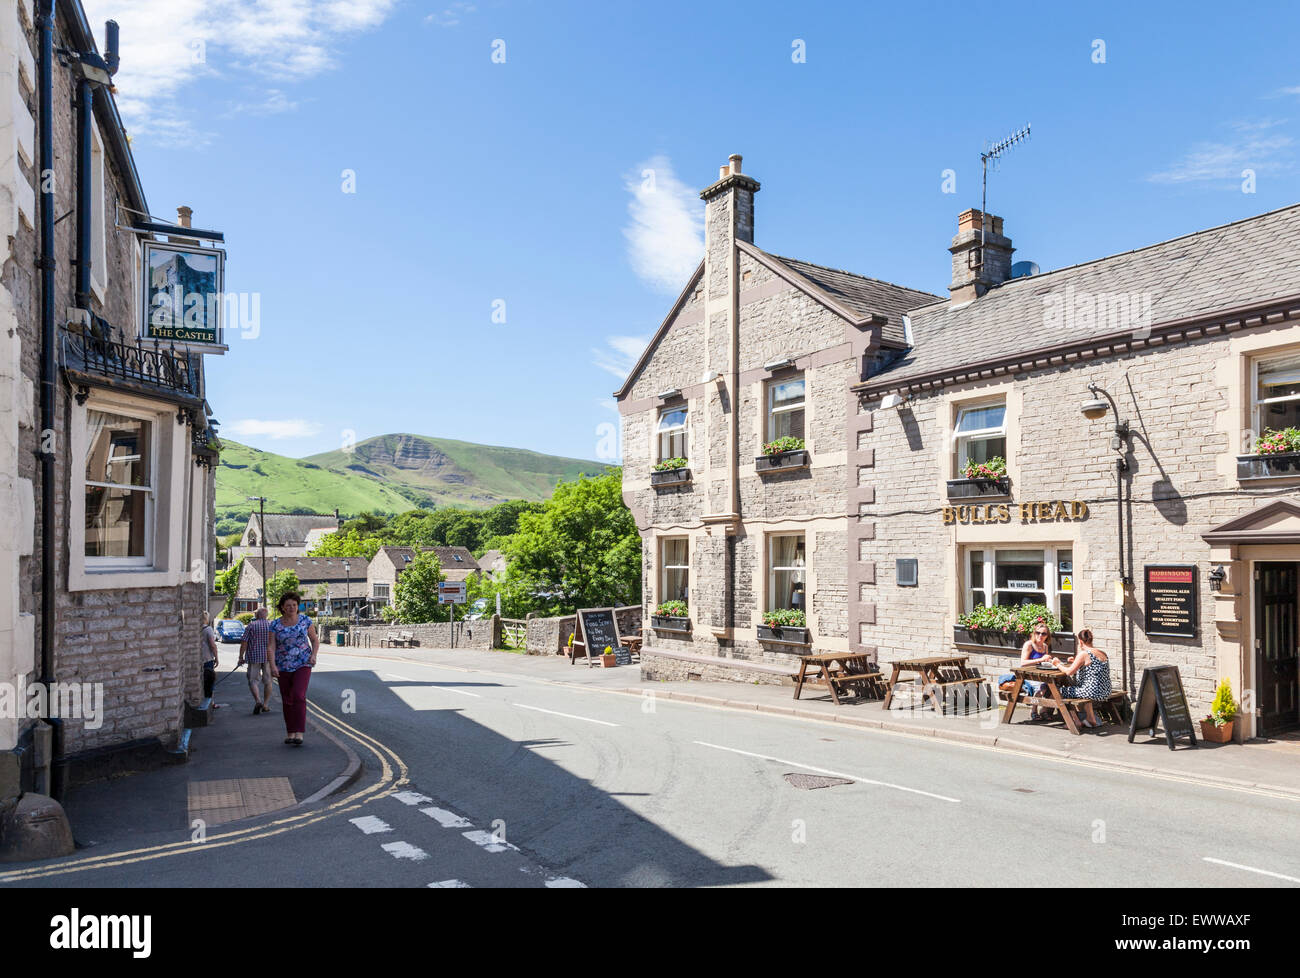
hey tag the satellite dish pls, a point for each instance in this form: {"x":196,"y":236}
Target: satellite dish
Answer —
{"x":1024,"y":269}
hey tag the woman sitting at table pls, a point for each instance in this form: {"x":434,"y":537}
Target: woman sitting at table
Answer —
{"x":1039,"y":646}
{"x":1091,"y":672}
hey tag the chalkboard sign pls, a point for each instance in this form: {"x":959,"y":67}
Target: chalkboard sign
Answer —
{"x":622,"y":655}
{"x":1171,"y":600}
{"x":597,"y":628}
{"x":1161,"y":699}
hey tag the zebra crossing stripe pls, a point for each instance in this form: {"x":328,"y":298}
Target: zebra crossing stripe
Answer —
{"x":404,"y":850}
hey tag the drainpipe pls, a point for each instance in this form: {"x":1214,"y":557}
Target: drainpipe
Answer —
{"x":48,"y":440}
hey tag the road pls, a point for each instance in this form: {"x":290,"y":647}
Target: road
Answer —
{"x":503,"y":776}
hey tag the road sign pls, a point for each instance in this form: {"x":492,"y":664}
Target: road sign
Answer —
{"x":451,"y":592}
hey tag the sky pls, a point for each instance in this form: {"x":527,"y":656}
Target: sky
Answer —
{"x":441,"y":214}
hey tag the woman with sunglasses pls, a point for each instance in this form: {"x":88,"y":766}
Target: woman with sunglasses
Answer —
{"x":1039,"y":646}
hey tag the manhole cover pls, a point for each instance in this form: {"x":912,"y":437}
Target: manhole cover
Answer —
{"x":809,"y":781}
{"x":1024,"y":791}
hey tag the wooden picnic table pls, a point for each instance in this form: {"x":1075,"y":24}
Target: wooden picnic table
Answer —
{"x":937,"y":673}
{"x":1051,"y":678}
{"x":854,"y":671}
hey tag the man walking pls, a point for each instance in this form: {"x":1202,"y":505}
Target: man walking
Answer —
{"x":253,"y":650}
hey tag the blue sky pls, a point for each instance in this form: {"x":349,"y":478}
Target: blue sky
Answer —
{"x":478,"y":181}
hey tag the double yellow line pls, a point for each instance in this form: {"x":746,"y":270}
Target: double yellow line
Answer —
{"x":393,"y":772}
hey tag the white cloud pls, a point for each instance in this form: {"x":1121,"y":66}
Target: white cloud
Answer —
{"x":450,"y":15}
{"x":275,"y":430}
{"x":1223,"y":161}
{"x":621,"y":355}
{"x":273,"y":103}
{"x":168,"y":44}
{"x":665,"y":230}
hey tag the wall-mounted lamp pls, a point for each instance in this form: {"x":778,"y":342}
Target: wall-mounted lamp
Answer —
{"x":893,"y":401}
{"x":781,"y":364}
{"x":1217,"y":577}
{"x":1095,"y":408}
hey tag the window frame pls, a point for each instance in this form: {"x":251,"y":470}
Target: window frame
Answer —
{"x":95,"y":564}
{"x":665,"y":567}
{"x":773,"y":569}
{"x":661,"y":432}
{"x":1051,"y":590}
{"x":961,"y":439}
{"x":1256,"y":422}
{"x":770,"y":412}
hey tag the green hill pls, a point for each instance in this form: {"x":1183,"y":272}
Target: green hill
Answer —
{"x":389,"y":473}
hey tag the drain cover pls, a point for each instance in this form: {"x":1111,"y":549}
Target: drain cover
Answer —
{"x":1024,"y":791}
{"x":809,"y":781}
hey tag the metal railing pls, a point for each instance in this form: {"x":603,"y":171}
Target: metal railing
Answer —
{"x":159,"y":368}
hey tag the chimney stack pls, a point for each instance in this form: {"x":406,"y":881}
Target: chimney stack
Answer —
{"x":183,"y":216}
{"x":973,"y":272}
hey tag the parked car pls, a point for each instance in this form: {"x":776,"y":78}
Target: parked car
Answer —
{"x":229,"y":630}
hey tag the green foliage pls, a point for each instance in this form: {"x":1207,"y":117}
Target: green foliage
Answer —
{"x":581,"y":551}
{"x":1223,"y":709}
{"x":245,"y":617}
{"x":1019,"y":620}
{"x":670,"y":464}
{"x":1274,"y":442}
{"x":285,"y":580}
{"x":332,"y":621}
{"x":994,"y":468}
{"x":347,"y":544}
{"x":673,"y":609}
{"x":227,"y":583}
{"x":415,"y":595}
{"x":388,"y":613}
{"x":785,"y":618}
{"x":786,"y":443}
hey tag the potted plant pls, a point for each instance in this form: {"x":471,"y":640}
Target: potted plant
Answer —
{"x":608,"y":660}
{"x":788,"y":625}
{"x":782,"y":454}
{"x":1277,"y":452}
{"x":670,"y":472}
{"x":671,"y":616}
{"x":1216,"y":728}
{"x":981,"y":479}
{"x":1009,"y":628}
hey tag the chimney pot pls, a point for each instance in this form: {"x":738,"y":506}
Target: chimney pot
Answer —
{"x":734,"y":160}
{"x":183,"y":215}
{"x":723,"y":171}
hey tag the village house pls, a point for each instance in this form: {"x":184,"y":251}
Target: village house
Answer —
{"x":328,"y":585}
{"x":284,"y":534}
{"x":457,"y":564}
{"x":757,"y":351}
{"x":106,"y":440}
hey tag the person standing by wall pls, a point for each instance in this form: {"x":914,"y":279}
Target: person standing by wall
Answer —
{"x":293,"y":648}
{"x":253,"y":651}
{"x":208,"y":647}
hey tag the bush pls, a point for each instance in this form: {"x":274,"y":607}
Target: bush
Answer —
{"x":785,"y":618}
{"x":332,"y":621}
{"x":786,"y":443}
{"x":673,"y":609}
{"x":1224,"y":708}
{"x":245,"y":617}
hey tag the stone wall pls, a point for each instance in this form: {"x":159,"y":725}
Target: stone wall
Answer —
{"x":482,"y":634}
{"x":550,"y":636}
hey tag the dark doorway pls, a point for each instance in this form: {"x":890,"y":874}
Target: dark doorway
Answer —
{"x":1277,"y":679}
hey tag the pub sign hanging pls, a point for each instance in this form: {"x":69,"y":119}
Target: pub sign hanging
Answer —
{"x":183,"y":293}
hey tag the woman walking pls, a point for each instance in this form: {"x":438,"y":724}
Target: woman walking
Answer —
{"x":1091,"y":672}
{"x":292,"y":646}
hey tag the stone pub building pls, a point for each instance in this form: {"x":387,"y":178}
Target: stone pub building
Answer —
{"x":1127,"y":406}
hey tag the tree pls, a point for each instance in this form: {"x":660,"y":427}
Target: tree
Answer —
{"x":281,"y":583}
{"x":415,"y":595}
{"x":581,"y":551}
{"x":347,"y":544}
{"x":227,"y":583}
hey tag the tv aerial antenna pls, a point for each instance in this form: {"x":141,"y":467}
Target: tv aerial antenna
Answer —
{"x":994,"y":153}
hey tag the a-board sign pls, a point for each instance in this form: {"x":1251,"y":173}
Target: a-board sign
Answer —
{"x":622,"y":655}
{"x":1161,"y":700}
{"x":596,"y":629}
{"x":1171,"y":600}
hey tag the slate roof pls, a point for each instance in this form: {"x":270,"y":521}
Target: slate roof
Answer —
{"x":290,"y":529}
{"x":1243,"y":263}
{"x":310,"y":570}
{"x":492,"y":561}
{"x":864,"y":296}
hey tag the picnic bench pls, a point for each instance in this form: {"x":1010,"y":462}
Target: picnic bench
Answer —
{"x":395,"y":639}
{"x":1050,"y":697}
{"x":839,"y":672}
{"x":938,"y":674}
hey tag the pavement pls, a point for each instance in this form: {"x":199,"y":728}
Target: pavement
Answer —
{"x":239,"y":767}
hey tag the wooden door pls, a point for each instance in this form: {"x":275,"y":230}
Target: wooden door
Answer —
{"x":1277,"y":681}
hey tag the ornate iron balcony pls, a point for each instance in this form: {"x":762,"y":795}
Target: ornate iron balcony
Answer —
{"x":91,"y":358}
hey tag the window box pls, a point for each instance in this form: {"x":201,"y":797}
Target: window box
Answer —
{"x":670,"y":623}
{"x":790,"y":461}
{"x":785,"y":635}
{"x":974,"y":488}
{"x":670,"y":477}
{"x":1268,"y":466}
{"x":1062,"y":642}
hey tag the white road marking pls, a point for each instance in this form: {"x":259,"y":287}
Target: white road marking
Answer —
{"x":405,"y":679}
{"x":449,"y":689}
{"x":448,"y":820}
{"x":1252,"y":869}
{"x":463,"y":692}
{"x":564,"y":883}
{"x":488,"y":841}
{"x":370,"y":825}
{"x":833,"y":774}
{"x":404,"y":850}
{"x":571,"y":716}
{"x":450,"y":885}
{"x":411,"y":798}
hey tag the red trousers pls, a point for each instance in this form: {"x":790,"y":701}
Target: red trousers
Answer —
{"x":293,"y":696}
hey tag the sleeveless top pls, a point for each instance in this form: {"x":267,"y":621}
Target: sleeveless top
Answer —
{"x":1091,"y":682}
{"x":292,"y":646}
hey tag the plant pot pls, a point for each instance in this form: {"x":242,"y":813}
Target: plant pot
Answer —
{"x":782,"y":461}
{"x":975,"y":488}
{"x":1062,"y":642}
{"x":670,"y":477}
{"x":1268,"y":466}
{"x":609,"y":661}
{"x":785,"y":634}
{"x":1212,"y":733}
{"x":670,"y":623}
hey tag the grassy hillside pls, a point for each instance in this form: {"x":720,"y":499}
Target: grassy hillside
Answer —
{"x":453,"y":472}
